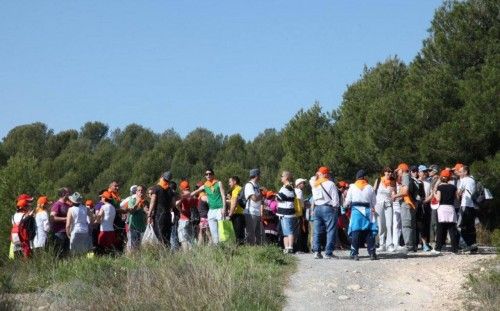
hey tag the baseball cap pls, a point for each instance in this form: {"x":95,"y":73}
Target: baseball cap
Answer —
{"x":422,"y":168}
{"x":254,"y":172}
{"x":324,"y":170}
{"x":25,"y":196}
{"x":457,"y":167}
{"x":42,"y":200}
{"x":403,"y":167}
{"x":298,"y":181}
{"x":360,"y":174}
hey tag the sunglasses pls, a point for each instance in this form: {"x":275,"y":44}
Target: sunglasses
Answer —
{"x":208,"y":174}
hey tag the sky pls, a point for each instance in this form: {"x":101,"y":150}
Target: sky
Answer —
{"x":229,"y":66}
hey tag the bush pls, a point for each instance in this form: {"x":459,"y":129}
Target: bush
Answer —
{"x":208,"y":278}
{"x":484,"y":288}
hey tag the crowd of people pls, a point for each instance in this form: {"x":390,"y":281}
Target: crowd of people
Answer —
{"x":406,"y":209}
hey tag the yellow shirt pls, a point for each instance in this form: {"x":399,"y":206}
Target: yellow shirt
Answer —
{"x":234,"y":196}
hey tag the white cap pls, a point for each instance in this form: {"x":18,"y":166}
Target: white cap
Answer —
{"x":133,"y":189}
{"x":299,"y":180}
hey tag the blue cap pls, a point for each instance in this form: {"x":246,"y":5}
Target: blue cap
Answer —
{"x":422,"y":168}
{"x":360,"y":174}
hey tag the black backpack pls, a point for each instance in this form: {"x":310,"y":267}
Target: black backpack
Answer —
{"x":28,"y":224}
{"x":479,"y":196}
{"x":242,"y":200}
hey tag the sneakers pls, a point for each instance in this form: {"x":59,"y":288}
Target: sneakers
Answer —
{"x":354,"y":257}
{"x":426,"y":248}
{"x":474,"y":249}
{"x":435,"y":252}
{"x":373,"y":256}
{"x":381,"y":248}
{"x":402,"y":249}
{"x":391,"y":249}
{"x":330,"y":257}
{"x":318,"y":255}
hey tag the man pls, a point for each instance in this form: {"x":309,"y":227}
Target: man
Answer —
{"x":160,"y":208}
{"x":326,"y":205}
{"x":120,"y":216}
{"x":433,"y":179}
{"x":468,"y":210}
{"x":425,"y":205}
{"x":408,"y":207}
{"x":253,"y":208}
{"x":363,"y":224}
{"x":302,"y":225}
{"x":236,"y":211}
{"x":58,"y":214}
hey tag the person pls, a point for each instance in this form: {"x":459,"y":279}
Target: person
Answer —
{"x":425,"y":205}
{"x":19,"y":236}
{"x":236,"y":210}
{"x":160,"y":208}
{"x":433,"y":179}
{"x":216,"y":202}
{"x":326,"y":204}
{"x":286,"y":211}
{"x":384,"y":189}
{"x":269,"y":218}
{"x":253,"y":208}
{"x":203,"y":230}
{"x":124,"y":202}
{"x":106,"y":217}
{"x":362,"y":226}
{"x":302,"y":227}
{"x":468,"y":209}
{"x":136,"y":218}
{"x":42,"y":223}
{"x":408,"y":207}
{"x":447,"y":218}
{"x":77,"y":225}
{"x":174,"y":238}
{"x":58,"y":214}
{"x":185,"y":204}
{"x":120,"y":216}
{"x":344,"y":216}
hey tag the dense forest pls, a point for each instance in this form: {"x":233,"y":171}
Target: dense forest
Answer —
{"x":442,"y":107}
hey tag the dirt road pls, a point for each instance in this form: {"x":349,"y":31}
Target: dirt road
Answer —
{"x":394,"y":282}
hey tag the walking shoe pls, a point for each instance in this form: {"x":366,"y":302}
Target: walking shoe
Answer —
{"x":318,"y":255}
{"x":435,"y":252}
{"x":474,"y":249}
{"x":426,"y":248}
{"x":381,"y":248}
{"x":373,"y":257}
{"x":390,"y":249}
{"x":354,"y":257}
{"x":402,"y":249}
{"x":330,"y":256}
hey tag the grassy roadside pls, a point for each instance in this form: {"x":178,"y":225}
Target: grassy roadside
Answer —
{"x":208,"y":278}
{"x":483,"y":284}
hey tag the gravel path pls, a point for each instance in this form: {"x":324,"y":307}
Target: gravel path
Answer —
{"x":394,"y":282}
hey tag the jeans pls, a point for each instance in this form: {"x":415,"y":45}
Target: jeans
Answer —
{"x":385,"y":223}
{"x":325,"y":221}
{"x":134,"y":239}
{"x":214,"y":215}
{"x":238,"y":221}
{"x":163,"y":226}
{"x":468,"y":225}
{"x":358,"y":238}
{"x":254,"y":229}
{"x":409,"y":222}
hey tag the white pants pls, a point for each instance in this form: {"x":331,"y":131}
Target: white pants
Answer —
{"x":397,"y":225}
{"x":384,"y":220}
{"x":213,"y":217}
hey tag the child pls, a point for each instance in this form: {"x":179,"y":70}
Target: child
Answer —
{"x":269,"y":218}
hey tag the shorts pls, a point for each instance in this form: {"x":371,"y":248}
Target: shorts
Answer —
{"x":203,"y":223}
{"x":288,"y":225}
{"x":185,"y":231}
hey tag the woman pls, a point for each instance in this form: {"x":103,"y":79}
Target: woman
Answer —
{"x":20,"y":236}
{"x":203,"y":230}
{"x":216,"y":202}
{"x":286,"y":211}
{"x":236,"y":210}
{"x":384,"y":189}
{"x":137,"y":218}
{"x":77,"y":225}
{"x":185,"y":205}
{"x":106,"y":240}
{"x":447,"y":218}
{"x":42,"y":222}
{"x":269,"y":218}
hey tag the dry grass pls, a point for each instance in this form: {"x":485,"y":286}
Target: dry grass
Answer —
{"x":207,"y":278}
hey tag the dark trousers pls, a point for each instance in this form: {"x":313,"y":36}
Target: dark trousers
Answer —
{"x":468,"y":225}
{"x":442,"y":229}
{"x":358,"y":239}
{"x":163,"y":226}
{"x":302,"y":233}
{"x":424,"y":222}
{"x":238,"y":221}
{"x":61,"y":245}
{"x":433,"y":226}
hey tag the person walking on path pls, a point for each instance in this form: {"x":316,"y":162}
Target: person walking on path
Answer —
{"x":363,"y":226}
{"x":447,"y":218}
{"x":160,"y":208}
{"x":407,"y":206}
{"x":286,"y":211}
{"x":384,"y":190}
{"x":216,"y":202}
{"x":326,"y":205}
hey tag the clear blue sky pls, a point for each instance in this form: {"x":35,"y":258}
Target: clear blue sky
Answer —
{"x":230,"y":66}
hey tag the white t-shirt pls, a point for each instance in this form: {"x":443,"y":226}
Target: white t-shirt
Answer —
{"x":80,"y":219}
{"x":468,"y":185}
{"x":109,"y":217}
{"x":252,"y":208}
{"x":325,"y":194}
{"x":42,"y":227}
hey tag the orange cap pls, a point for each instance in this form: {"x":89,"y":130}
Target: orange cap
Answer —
{"x":22,"y":203}
{"x":184,"y":185}
{"x":457,"y":166}
{"x":89,"y":202}
{"x":445,"y":173}
{"x":404,"y":167}
{"x":342,"y":184}
{"x":107,"y":195}
{"x":42,"y":200}
{"x":324,"y":170}
{"x":270,"y":194}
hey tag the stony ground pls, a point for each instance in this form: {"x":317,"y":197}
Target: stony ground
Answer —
{"x":415,"y":281}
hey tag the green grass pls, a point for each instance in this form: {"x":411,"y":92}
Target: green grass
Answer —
{"x":207,"y":278}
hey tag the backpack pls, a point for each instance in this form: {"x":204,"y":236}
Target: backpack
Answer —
{"x":479,"y":196}
{"x":242,"y":200}
{"x":27,"y":228}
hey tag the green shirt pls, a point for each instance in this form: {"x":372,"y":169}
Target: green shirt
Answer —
{"x":214,"y":196}
{"x":136,"y":218}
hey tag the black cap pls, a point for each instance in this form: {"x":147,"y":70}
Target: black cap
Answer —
{"x":360,"y":174}
{"x":167,"y":176}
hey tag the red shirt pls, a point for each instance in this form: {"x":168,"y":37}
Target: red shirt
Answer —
{"x":186,"y":205}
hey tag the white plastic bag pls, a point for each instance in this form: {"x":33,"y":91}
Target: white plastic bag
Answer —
{"x":487,"y":194}
{"x":149,"y":237}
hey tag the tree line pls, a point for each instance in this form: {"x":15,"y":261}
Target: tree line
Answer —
{"x":442,"y":107}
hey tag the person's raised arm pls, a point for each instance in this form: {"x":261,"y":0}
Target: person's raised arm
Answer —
{"x":197,"y":191}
